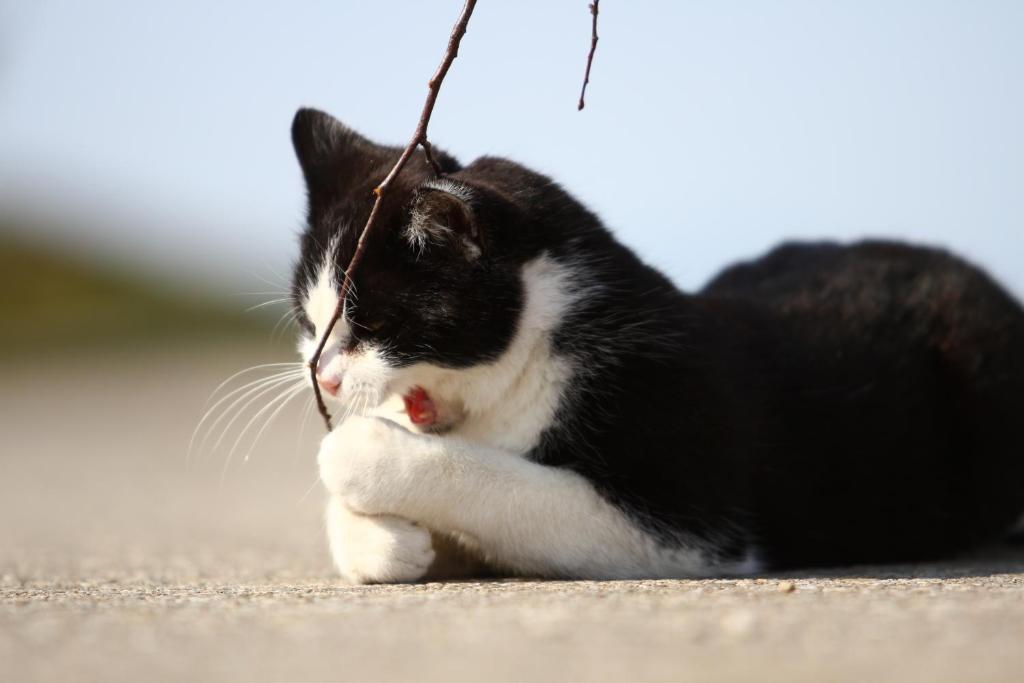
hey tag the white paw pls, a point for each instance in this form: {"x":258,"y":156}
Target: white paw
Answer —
{"x":382,"y":549}
{"x":364,"y":462}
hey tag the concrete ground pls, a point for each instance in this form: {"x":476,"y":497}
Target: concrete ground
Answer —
{"x":119,"y":560}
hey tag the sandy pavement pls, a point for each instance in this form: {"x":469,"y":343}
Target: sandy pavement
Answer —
{"x":120,"y":560}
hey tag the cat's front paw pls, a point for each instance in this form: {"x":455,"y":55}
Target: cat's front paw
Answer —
{"x":365,"y":462}
{"x":383,"y":549}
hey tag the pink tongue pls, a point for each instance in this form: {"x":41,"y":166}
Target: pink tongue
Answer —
{"x":420,"y":407}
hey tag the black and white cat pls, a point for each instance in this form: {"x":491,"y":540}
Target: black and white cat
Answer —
{"x":582,"y":417}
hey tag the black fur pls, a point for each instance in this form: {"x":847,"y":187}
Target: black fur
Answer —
{"x":824,"y":404}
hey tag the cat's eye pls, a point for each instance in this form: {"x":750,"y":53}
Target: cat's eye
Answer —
{"x":373,"y":325}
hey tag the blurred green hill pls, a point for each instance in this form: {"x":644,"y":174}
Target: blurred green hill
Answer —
{"x":55,"y":301}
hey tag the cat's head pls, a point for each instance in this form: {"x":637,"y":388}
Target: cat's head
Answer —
{"x":439,"y":289}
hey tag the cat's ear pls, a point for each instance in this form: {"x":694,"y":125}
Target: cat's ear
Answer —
{"x":442,"y":216}
{"x":330,"y":153}
{"x":335,"y":159}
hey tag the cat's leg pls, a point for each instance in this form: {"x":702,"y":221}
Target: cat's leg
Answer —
{"x":377,"y":548}
{"x":529,"y":517}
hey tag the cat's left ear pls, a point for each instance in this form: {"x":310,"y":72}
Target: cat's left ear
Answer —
{"x":442,"y":216}
{"x":332,"y":155}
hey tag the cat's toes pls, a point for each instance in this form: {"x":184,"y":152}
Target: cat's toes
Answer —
{"x":394,"y":551}
{"x":379,"y":549}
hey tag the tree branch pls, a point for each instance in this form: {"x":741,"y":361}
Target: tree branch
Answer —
{"x":590,"y":57}
{"x":419,"y":138}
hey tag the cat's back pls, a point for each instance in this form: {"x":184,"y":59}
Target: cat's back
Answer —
{"x":796,"y":275}
{"x":893,"y":359}
{"x":878,"y":292}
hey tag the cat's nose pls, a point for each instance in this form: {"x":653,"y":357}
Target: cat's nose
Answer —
{"x":329,"y":383}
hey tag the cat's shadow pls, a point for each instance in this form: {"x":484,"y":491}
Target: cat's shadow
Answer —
{"x":1006,"y":557}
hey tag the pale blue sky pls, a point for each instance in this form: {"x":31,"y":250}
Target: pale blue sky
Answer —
{"x":713,"y":128}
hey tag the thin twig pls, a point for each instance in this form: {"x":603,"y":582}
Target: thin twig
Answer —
{"x":419,"y":139}
{"x":590,"y":57}
{"x":428,"y":150}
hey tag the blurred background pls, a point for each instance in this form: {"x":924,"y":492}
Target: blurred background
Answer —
{"x":149,"y":205}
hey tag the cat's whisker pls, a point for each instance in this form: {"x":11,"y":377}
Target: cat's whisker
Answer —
{"x":362,"y":402}
{"x":289,"y":314}
{"x":343,"y":414}
{"x":210,"y":408}
{"x":254,"y":368}
{"x":288,"y":317}
{"x":234,"y":412}
{"x":281,"y":392}
{"x":252,"y":446}
{"x":281,"y":278}
{"x":276,"y":292}
{"x":306,"y":412}
{"x":346,"y":412}
{"x":353,"y":297}
{"x":283,"y":284}
{"x":271,"y":302}
{"x":308,"y":491}
{"x":368,"y":399}
{"x":282,"y":398}
{"x":253,"y":386}
{"x":356,"y":404}
{"x":252,"y":396}
{"x":293,"y":372}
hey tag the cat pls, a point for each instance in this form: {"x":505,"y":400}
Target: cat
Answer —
{"x":822,"y":405}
